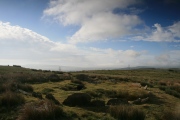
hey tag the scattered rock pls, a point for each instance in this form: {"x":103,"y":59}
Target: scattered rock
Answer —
{"x":144,"y":100}
{"x":145,"y":87}
{"x":139,"y":101}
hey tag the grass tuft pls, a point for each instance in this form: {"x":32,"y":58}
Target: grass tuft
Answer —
{"x":43,"y":110}
{"x":124,"y":112}
{"x":10,"y":99}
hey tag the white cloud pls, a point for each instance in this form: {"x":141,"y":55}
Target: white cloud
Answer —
{"x":28,"y":47}
{"x":95,"y":18}
{"x":106,"y":26}
{"x":161,"y":34}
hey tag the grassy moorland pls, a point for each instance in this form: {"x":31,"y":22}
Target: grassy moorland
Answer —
{"x":142,"y":94}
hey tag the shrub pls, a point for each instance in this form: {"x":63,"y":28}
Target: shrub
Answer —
{"x":10,"y":99}
{"x":43,"y":110}
{"x":123,"y":112}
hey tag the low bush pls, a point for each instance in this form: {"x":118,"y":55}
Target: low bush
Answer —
{"x":43,"y":110}
{"x":124,"y":112}
{"x":10,"y":99}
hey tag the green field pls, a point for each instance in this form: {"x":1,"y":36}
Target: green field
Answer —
{"x":150,"y":94}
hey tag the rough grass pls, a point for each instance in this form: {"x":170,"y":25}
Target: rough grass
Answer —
{"x":173,"y":115}
{"x":10,"y":99}
{"x":101,"y":85}
{"x":43,"y":110}
{"x":126,"y":113}
{"x":47,"y":90}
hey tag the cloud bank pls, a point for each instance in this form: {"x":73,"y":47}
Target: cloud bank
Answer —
{"x":23,"y":46}
{"x":102,"y":20}
{"x":95,"y":18}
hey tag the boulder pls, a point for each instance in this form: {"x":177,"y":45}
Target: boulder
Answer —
{"x":78,"y":99}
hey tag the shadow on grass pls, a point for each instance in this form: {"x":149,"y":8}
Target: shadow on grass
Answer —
{"x":155,"y":100}
{"x":103,"y":109}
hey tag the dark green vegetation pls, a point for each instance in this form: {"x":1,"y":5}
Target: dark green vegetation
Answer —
{"x":29,"y":94}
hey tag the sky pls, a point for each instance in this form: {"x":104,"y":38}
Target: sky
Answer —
{"x":90,"y":33}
